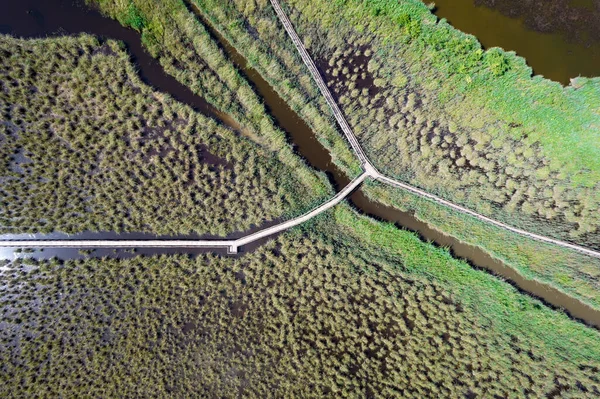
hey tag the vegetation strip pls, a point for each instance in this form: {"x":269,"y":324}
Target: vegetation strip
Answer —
{"x":214,"y":243}
{"x":345,"y":308}
{"x":367,"y":165}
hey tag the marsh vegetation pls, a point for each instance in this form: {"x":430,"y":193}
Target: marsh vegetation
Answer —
{"x":87,"y":146}
{"x":434,"y":109}
{"x":462,"y":144}
{"x":184,"y":47}
{"x":412,"y":120}
{"x":573,"y":273}
{"x":343,"y":306}
{"x":506,"y":151}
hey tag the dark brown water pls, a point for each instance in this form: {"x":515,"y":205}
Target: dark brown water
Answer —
{"x":313,"y":151}
{"x":48,"y":18}
{"x":560,"y":39}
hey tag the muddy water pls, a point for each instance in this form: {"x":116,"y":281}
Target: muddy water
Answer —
{"x":47,"y":18}
{"x":36,"y":18}
{"x":560,"y":39}
{"x":476,"y":257}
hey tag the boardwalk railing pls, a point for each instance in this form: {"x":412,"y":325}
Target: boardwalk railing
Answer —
{"x":320,"y":83}
{"x":369,"y":171}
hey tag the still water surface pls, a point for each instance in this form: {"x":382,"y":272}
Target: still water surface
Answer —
{"x":560,"y":39}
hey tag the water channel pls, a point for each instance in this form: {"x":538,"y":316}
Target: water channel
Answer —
{"x":40,"y":18}
{"x":559,"y":39}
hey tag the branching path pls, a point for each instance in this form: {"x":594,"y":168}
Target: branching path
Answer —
{"x":368,"y":171}
{"x":368,"y":166}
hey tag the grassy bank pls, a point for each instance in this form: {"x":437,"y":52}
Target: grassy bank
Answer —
{"x":396,"y":91}
{"x":87,"y":146}
{"x":572,"y":272}
{"x":346,"y":308}
{"x":435,"y":110}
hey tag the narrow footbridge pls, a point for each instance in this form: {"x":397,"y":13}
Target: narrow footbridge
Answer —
{"x":231,"y":245}
{"x":368,"y":166}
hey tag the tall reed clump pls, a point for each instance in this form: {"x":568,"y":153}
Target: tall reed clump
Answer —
{"x":437,"y":111}
{"x":187,"y":51}
{"x":347,"y":308}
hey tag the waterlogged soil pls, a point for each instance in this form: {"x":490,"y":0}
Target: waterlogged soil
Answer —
{"x":11,"y":253}
{"x":479,"y":259}
{"x":37,"y":18}
{"x":316,"y":155}
{"x":559,"y":39}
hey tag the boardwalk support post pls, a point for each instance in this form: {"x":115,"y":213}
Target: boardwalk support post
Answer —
{"x":232,"y":249}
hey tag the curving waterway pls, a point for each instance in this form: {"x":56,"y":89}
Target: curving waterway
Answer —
{"x":41,"y":18}
{"x":560,"y":39}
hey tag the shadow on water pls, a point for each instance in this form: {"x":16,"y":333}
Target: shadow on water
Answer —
{"x":36,"y":18}
{"x":559,"y":39}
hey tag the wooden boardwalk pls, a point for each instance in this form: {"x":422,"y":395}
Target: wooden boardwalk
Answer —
{"x":369,"y":171}
{"x":231,"y":245}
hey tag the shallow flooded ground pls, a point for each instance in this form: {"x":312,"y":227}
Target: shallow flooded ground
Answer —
{"x":300,"y":135}
{"x":36,"y":18}
{"x":560,"y":39}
